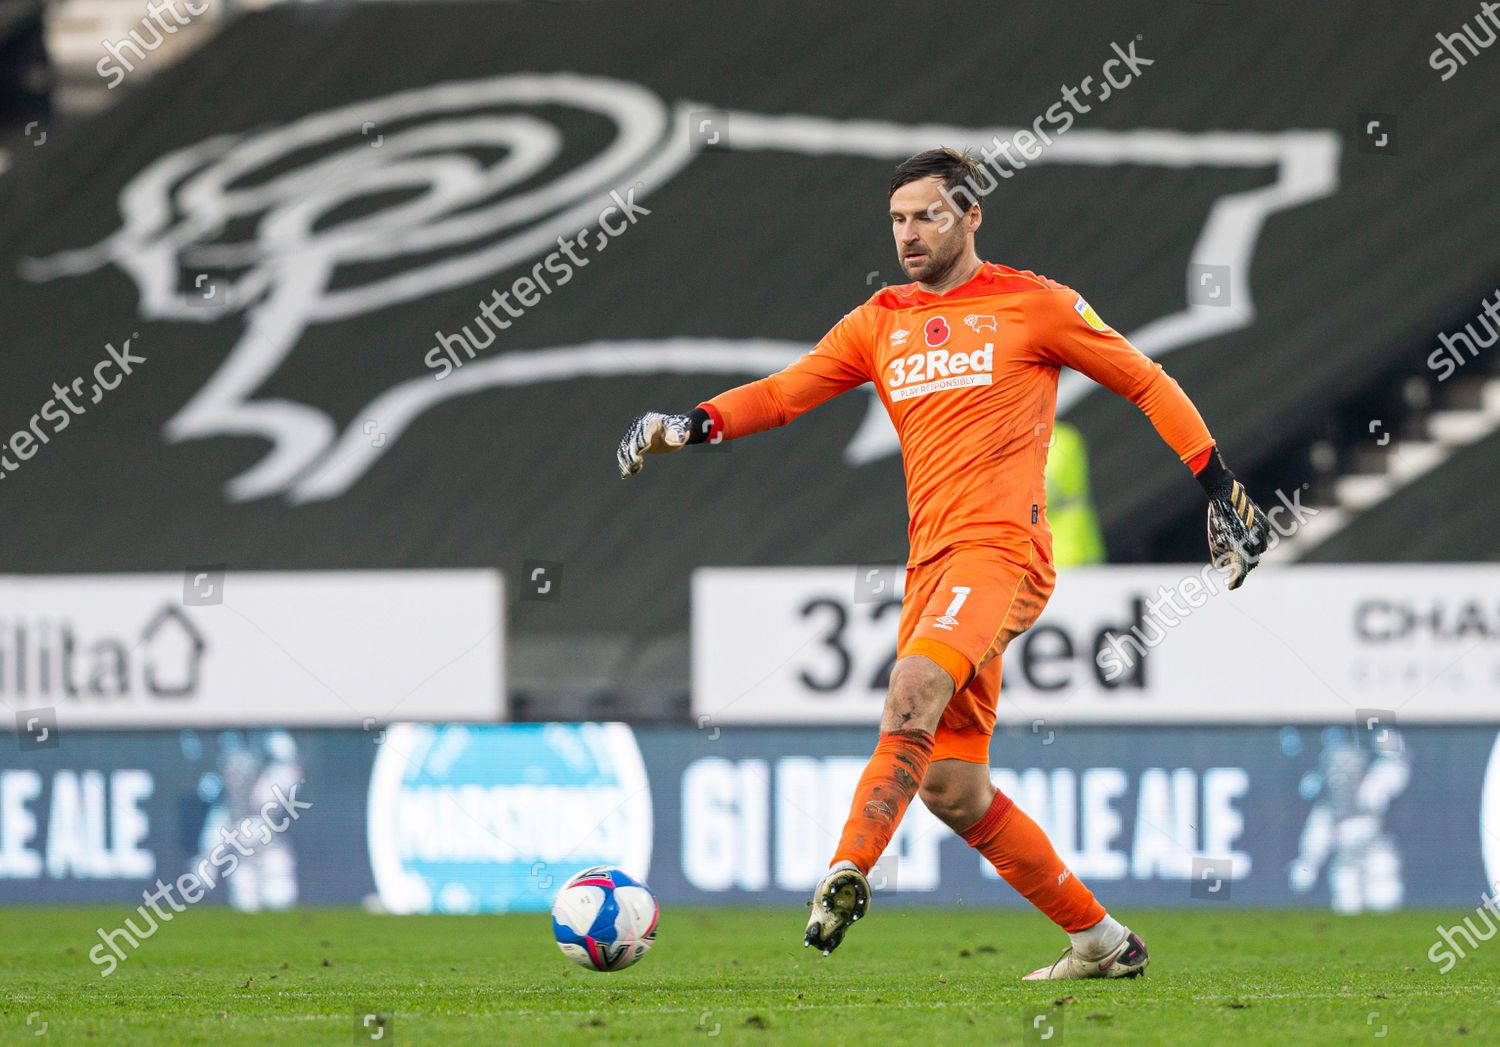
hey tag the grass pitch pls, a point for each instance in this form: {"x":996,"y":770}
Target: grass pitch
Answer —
{"x":742,"y":976}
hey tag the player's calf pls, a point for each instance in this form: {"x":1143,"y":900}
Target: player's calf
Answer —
{"x":957,"y":793}
{"x":919,"y":692}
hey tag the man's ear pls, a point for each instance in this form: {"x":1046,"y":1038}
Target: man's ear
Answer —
{"x":975,"y":218}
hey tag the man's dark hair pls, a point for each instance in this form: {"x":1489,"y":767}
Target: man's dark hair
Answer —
{"x":959,"y":172}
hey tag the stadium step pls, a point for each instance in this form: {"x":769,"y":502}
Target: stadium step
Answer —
{"x":77,"y":34}
{"x":1423,"y":440}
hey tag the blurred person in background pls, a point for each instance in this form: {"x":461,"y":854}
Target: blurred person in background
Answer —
{"x":1351,"y":790}
{"x":1076,"y":538}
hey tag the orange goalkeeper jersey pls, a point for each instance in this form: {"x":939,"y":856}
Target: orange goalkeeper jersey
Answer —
{"x":969,"y":379}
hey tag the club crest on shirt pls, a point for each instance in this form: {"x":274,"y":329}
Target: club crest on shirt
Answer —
{"x":976,"y":323}
{"x":1083,"y":309}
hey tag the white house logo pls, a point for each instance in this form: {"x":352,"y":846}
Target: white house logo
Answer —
{"x":53,"y":659}
{"x":386,"y":202}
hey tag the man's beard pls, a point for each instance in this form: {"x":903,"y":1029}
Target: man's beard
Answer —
{"x":938,"y":268}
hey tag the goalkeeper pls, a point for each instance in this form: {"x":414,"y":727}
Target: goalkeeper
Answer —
{"x":966,"y":361}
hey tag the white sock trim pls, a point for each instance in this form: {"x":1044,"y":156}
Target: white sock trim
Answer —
{"x":1099,"y":940}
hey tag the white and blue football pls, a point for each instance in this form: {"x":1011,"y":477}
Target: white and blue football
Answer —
{"x":604,"y":919}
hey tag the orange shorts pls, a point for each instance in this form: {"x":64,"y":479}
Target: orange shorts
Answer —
{"x":961,"y":610}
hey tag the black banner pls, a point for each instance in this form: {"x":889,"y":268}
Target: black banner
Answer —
{"x":397,"y":308}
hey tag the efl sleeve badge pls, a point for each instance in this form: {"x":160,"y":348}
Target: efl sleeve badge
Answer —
{"x":1083,"y":309}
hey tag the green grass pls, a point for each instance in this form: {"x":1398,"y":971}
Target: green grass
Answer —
{"x":1219,"y":976}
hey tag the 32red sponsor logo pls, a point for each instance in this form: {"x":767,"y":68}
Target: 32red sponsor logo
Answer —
{"x":919,"y":369}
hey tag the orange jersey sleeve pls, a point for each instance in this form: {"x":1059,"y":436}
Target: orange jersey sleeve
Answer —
{"x":1066,"y":331}
{"x":836,"y":364}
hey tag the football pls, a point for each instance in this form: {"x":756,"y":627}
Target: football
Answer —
{"x":604,"y":919}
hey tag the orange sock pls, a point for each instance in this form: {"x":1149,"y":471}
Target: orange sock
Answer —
{"x":884,"y":791}
{"x":1026,"y":859}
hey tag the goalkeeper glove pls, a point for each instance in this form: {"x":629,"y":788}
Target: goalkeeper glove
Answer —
{"x":1237,"y":531}
{"x":656,"y":433}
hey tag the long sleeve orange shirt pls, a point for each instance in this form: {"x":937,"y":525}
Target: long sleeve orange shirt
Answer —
{"x":969,"y":379}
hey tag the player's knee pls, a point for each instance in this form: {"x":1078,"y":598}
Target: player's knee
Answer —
{"x":931,"y":793}
{"x":942,"y":799}
{"x":919,"y":692}
{"x":955,"y":801}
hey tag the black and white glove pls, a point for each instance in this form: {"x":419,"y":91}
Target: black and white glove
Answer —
{"x":1237,"y":532}
{"x":656,"y":433}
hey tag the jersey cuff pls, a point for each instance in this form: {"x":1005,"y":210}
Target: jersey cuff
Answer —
{"x":1214,"y":475}
{"x":954,"y":662}
{"x":705,"y":423}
